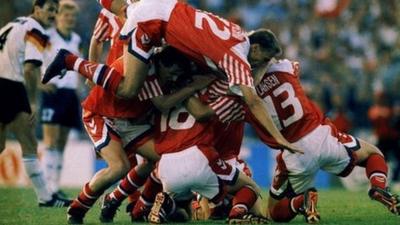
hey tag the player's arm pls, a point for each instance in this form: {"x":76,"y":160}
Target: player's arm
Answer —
{"x":166,"y":102}
{"x":198,"y":110}
{"x":256,"y":107}
{"x":135,"y":74}
{"x":32,"y":75}
{"x":115,"y":6}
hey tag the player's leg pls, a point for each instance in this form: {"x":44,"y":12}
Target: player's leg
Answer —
{"x":142,"y":208}
{"x":135,"y":178}
{"x":25,"y":134}
{"x":127,"y":85}
{"x":293,"y":177}
{"x":118,"y":165}
{"x":52,"y":156}
{"x":376,"y":168}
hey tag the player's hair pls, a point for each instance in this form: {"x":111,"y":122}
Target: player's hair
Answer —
{"x":41,"y":3}
{"x":68,"y":5}
{"x":170,"y":56}
{"x":266,"y":39}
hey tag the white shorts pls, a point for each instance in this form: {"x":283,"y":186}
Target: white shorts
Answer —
{"x":323,"y":149}
{"x":101,"y":130}
{"x":188,"y":171}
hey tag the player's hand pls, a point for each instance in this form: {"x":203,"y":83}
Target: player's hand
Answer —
{"x":48,"y":88}
{"x":290,"y":147}
{"x":201,"y":81}
{"x":32,"y":116}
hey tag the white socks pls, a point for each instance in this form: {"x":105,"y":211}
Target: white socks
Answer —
{"x":52,"y":163}
{"x":33,"y":170}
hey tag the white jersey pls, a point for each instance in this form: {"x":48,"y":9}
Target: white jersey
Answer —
{"x":57,"y":41}
{"x":22,"y":40}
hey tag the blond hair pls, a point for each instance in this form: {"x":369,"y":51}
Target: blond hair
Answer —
{"x":68,"y":5}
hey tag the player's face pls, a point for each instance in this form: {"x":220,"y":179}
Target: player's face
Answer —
{"x":257,"y":56}
{"x":67,"y":18}
{"x":47,"y":13}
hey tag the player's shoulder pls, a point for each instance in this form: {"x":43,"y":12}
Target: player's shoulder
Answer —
{"x":32,"y":25}
{"x":284,"y":66}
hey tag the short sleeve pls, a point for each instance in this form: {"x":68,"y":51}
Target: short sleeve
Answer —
{"x":36,"y":43}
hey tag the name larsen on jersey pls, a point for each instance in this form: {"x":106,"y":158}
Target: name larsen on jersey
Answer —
{"x":267,"y":83}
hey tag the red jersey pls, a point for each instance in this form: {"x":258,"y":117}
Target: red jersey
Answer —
{"x":108,"y":105}
{"x":179,"y":129}
{"x":294,"y":114}
{"x":107,"y":28}
{"x":204,"y":37}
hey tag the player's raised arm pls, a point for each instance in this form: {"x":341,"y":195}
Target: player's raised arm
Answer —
{"x":256,"y":107}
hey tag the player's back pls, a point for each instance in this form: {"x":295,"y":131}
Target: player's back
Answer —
{"x":204,"y":37}
{"x":14,"y":38}
{"x":292,"y":111}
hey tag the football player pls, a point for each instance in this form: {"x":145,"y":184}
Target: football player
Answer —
{"x":22,"y":43}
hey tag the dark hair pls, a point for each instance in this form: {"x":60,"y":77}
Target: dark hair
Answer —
{"x":41,"y":3}
{"x":266,"y":39}
{"x":169,"y":56}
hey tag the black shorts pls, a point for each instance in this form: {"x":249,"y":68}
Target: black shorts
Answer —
{"x":62,"y":108}
{"x":13,"y":99}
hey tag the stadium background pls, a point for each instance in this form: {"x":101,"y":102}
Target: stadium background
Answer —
{"x":350,"y":65}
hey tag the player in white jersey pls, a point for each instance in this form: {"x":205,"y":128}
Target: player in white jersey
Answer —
{"x":58,"y":117}
{"x":22,"y":43}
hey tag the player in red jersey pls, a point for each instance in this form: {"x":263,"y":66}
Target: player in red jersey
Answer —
{"x":115,"y":127}
{"x":189,"y":162}
{"x":219,"y":44}
{"x":302,"y":123}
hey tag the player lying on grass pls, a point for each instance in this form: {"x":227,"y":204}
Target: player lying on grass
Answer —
{"x":303,"y":124}
{"x":115,"y":127}
{"x":216,"y":43}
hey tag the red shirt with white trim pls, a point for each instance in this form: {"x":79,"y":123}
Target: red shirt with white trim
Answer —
{"x":294,"y":114}
{"x":204,"y":37}
{"x":108,"y":105}
{"x":179,"y":129}
{"x":107,"y":28}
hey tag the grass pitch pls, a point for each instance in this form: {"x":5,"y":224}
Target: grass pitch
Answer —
{"x":18,"y":207}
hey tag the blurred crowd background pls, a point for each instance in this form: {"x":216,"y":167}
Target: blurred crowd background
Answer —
{"x":349,"y":52}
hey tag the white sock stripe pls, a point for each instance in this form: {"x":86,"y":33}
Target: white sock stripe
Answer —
{"x":122,"y":191}
{"x":146,"y":203}
{"x":131,"y":182}
{"x":241,"y":205}
{"x":77,"y":64}
{"x":84,"y":205}
{"x":87,"y":195}
{"x":377,"y":174}
{"x":107,"y":77}
{"x":292,"y":206}
{"x":97,"y":73}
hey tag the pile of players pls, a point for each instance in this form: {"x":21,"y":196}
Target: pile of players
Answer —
{"x":177,"y":88}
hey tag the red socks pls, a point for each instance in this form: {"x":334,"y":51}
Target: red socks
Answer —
{"x":244,"y":198}
{"x":376,"y":170}
{"x":151,"y":189}
{"x":286,"y":209}
{"x":84,"y":201}
{"x":100,"y":74}
{"x":127,"y":186}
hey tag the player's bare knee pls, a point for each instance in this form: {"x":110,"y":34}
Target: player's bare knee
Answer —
{"x":366,"y":150}
{"x":119,"y":169}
